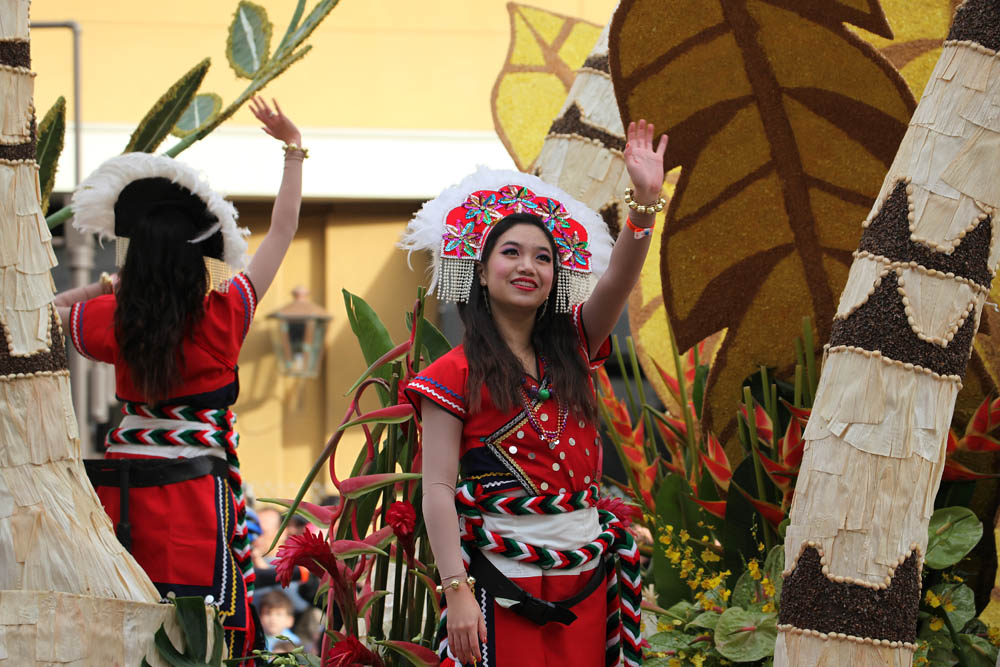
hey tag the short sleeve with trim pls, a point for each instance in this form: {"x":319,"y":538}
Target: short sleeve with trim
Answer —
{"x":92,"y":328}
{"x":228,"y":316}
{"x":603,"y":352}
{"x":443,"y":383}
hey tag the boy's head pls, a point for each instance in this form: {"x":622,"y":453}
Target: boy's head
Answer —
{"x":276,"y":613}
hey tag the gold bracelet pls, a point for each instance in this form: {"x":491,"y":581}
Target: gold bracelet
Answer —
{"x":639,"y":208}
{"x":454,"y":585}
{"x":288,"y":148}
{"x":107,"y":283}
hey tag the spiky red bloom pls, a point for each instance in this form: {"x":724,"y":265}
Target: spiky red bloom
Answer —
{"x":626,"y":512}
{"x":310,"y":550}
{"x":349,"y":652}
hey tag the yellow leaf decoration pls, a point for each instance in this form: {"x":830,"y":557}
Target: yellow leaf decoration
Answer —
{"x":784,"y":123}
{"x":545,"y":51}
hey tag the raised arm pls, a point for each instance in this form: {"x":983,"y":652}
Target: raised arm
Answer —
{"x":64,"y":300}
{"x":645,"y":168}
{"x":442,"y":436}
{"x":285,"y":213}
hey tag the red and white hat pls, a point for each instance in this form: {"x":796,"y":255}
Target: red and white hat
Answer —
{"x":454,"y":227}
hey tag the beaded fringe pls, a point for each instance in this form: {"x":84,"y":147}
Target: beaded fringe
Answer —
{"x":455,"y":279}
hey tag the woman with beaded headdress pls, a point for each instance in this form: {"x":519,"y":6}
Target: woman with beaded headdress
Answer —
{"x":172,"y":325}
{"x":534,"y":569}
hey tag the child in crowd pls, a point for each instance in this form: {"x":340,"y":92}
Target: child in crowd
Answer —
{"x":276,"y":618}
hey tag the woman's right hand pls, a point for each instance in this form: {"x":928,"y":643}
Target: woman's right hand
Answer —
{"x":466,"y":625}
{"x":276,"y":123}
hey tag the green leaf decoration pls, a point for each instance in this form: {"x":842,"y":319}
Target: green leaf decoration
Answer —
{"x":51,"y":133}
{"x":312,"y":21}
{"x":202,"y":111}
{"x":249,"y":43}
{"x":977,"y":651}
{"x":951,"y":534}
{"x":774,"y":565}
{"x":666,"y":576}
{"x":159,"y":120}
{"x":191,"y":617}
{"x":706,"y":619}
{"x":434,"y":342}
{"x":961,"y":601}
{"x":170,"y":654}
{"x":415,"y":654}
{"x":743,"y":635}
{"x":372,"y":336}
{"x":669,"y":640}
{"x":293,"y":25}
{"x":354,"y":487}
{"x":744,"y":592}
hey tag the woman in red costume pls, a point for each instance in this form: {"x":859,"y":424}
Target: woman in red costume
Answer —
{"x":533,"y":569}
{"x":173,"y":326}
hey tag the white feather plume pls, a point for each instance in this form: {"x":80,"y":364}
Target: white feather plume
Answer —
{"x":94,"y":200}
{"x":425,"y":230}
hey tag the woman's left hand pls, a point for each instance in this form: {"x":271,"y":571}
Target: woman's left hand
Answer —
{"x":644,"y":164}
{"x":276,"y":123}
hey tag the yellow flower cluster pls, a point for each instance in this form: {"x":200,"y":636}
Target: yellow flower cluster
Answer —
{"x":994,"y":636}
{"x":695,"y":569}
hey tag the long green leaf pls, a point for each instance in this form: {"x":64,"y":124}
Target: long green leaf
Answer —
{"x":194,"y":625}
{"x":312,"y":22}
{"x":355,"y":487}
{"x":170,"y":654}
{"x":293,"y":25}
{"x":372,"y":336}
{"x":249,"y":44}
{"x":159,"y":120}
{"x":51,"y":133}
{"x":202,"y":111}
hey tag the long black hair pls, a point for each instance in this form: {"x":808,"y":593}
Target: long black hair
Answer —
{"x":161,"y":296}
{"x":491,"y":361}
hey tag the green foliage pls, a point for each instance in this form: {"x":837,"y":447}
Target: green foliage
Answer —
{"x":744,"y":635}
{"x":951,"y":534}
{"x":202,"y":111}
{"x":51,"y":133}
{"x":372,"y":336}
{"x":192,"y":618}
{"x":160,"y":119}
{"x":249,"y":43}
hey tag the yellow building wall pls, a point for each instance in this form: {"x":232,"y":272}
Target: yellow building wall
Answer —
{"x":374,"y":63}
{"x":395,"y":64}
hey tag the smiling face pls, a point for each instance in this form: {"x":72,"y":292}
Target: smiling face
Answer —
{"x":519,"y":271}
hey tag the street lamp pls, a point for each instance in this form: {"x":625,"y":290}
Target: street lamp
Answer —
{"x":298,"y":342}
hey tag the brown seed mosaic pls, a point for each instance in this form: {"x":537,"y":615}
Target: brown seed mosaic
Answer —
{"x":53,"y":359}
{"x":811,"y":601}
{"x":977,"y":21}
{"x":15,"y":54}
{"x":610,"y":213}
{"x":881,"y":324}
{"x":599,"y":63}
{"x":572,"y":122}
{"x":888,"y":235}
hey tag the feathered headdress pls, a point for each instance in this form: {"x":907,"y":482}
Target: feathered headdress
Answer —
{"x":116,"y":195}
{"x":454,"y":226}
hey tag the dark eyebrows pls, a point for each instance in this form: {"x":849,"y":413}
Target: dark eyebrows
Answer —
{"x":516,"y":245}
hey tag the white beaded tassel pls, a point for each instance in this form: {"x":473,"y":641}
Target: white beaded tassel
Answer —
{"x":455,"y":279}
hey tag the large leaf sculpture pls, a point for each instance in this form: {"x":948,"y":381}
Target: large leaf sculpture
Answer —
{"x":545,"y":51}
{"x":783,"y":122}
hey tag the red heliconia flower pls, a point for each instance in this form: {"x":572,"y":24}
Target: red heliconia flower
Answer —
{"x":310,"y":550}
{"x":626,"y":512}
{"x":403,"y":519}
{"x":349,"y":652}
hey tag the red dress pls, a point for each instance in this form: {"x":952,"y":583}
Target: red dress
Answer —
{"x":505,"y":453}
{"x":189,"y":535}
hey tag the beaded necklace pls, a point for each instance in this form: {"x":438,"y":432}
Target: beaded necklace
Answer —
{"x":549,"y":436}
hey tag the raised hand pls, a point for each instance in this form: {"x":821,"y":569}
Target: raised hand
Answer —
{"x":276,"y":123}
{"x":644,"y":164}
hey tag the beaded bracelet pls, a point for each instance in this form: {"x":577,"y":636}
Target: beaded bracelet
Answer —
{"x":637,"y":231}
{"x":295,"y":147}
{"x":639,"y":208}
{"x":470,"y":581}
{"x":107,"y":283}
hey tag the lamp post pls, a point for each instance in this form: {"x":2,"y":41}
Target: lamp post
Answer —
{"x":298,"y":341}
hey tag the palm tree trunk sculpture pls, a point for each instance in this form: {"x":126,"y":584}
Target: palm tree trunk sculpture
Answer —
{"x":899,"y":346}
{"x":69,"y":592}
